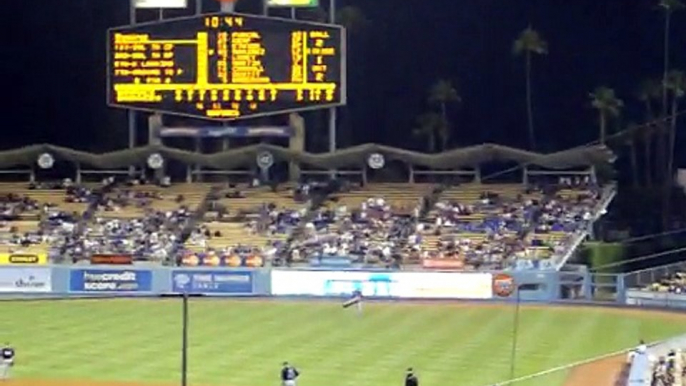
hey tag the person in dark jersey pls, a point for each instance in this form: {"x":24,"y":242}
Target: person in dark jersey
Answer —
{"x":289,"y":375}
{"x":410,"y":378}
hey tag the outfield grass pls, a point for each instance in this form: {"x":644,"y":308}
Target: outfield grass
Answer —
{"x":242,"y":343}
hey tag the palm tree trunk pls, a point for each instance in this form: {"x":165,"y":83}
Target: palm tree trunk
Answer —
{"x":667,"y":195}
{"x":647,"y":143}
{"x":432,"y":141}
{"x":603,"y":128}
{"x":529,"y":103}
{"x":665,"y":73}
{"x":634,"y":161}
{"x":662,"y":138}
{"x":661,"y":143}
{"x":672,"y":139}
{"x":648,"y":146}
{"x":446,"y":131}
{"x":664,"y":134}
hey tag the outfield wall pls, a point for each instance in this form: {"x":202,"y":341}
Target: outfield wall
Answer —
{"x":655,"y":299}
{"x":537,"y":286}
{"x":137,"y":280}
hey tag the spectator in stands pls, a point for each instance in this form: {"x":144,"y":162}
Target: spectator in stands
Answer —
{"x":674,"y":283}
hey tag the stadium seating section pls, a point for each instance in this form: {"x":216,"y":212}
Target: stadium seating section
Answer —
{"x":469,"y":226}
{"x":26,"y":212}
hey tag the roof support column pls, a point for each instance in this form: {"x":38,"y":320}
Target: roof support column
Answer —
{"x":198,"y":149}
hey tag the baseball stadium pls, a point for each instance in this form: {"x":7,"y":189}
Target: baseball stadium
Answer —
{"x":236,"y":242}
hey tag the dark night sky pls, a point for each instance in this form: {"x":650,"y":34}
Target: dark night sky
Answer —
{"x":54,"y":67}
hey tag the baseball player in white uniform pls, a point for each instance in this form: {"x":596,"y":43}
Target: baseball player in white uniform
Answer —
{"x":6,"y":361}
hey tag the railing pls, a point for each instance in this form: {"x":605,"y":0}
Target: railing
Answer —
{"x":609,"y":193}
{"x":645,"y":277}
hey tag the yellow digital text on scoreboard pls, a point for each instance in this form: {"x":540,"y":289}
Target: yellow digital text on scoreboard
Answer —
{"x":225,"y":66}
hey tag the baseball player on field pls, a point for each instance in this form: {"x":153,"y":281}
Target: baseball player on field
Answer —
{"x":289,"y":375}
{"x":355,"y":300}
{"x":411,"y":378}
{"x":6,"y":361}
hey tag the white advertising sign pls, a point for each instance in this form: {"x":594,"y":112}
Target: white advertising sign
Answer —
{"x":416,"y":285}
{"x":25,"y":280}
{"x":161,"y":3}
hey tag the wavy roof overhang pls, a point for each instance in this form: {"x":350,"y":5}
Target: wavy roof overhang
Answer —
{"x":352,"y":157}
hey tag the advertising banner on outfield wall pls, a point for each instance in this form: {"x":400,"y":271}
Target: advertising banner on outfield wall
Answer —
{"x":415,"y":285}
{"x":23,"y":258}
{"x":213,"y":282}
{"x":110,"y":259}
{"x":25,"y":280}
{"x":110,"y":280}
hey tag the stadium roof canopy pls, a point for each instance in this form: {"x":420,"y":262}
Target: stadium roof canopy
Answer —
{"x":463,"y":158}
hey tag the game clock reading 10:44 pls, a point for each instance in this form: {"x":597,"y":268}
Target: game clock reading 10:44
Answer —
{"x":226,"y":66}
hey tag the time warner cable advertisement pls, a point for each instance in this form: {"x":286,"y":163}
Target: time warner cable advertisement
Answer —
{"x":111,"y":280}
{"x":213,"y":282}
{"x":410,"y":285}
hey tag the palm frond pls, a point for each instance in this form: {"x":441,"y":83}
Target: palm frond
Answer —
{"x":529,"y":40}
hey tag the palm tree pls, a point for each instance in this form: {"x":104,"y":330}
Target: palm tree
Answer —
{"x":676,"y":84}
{"x":429,"y":125}
{"x":608,"y":105}
{"x":529,"y":43}
{"x":669,"y":7}
{"x":648,"y":92}
{"x":441,"y":93}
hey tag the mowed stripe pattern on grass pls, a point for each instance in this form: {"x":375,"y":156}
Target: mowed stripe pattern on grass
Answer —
{"x":243,"y":342}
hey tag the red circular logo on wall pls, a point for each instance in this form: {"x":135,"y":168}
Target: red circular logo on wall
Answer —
{"x":503,"y":285}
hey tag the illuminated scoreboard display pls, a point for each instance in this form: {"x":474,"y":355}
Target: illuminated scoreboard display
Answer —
{"x":226,"y":66}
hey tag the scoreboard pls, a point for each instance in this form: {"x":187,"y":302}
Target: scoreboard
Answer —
{"x":226,"y":66}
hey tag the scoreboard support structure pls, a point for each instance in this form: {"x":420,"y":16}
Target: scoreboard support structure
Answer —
{"x":318,"y":86}
{"x":132,"y":113}
{"x":333,"y":133}
{"x":132,"y":116}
